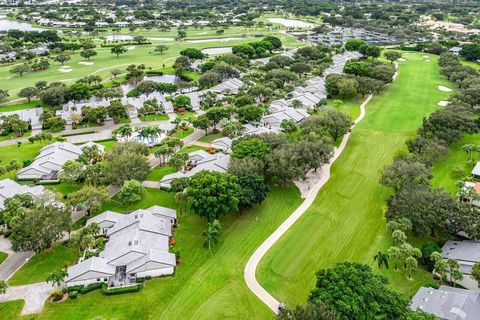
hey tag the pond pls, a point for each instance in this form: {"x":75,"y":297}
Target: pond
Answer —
{"x":166,"y":78}
{"x":289,"y":23}
{"x":218,"y":50}
{"x":6,"y":24}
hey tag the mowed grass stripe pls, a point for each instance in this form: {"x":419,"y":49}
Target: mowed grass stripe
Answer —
{"x":346,"y":221}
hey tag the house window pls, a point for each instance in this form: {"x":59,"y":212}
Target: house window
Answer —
{"x":105,"y":279}
{"x":98,"y":279}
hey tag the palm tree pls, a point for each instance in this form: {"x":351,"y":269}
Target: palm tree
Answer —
{"x":411,"y":263}
{"x":3,"y":286}
{"x":382,"y":259}
{"x":56,"y":278}
{"x":181,"y":200}
{"x":125,"y":130}
{"x":212,"y":235}
{"x":396,"y":253}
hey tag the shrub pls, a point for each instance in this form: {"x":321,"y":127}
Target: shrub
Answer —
{"x":154,"y":73}
{"x":133,"y":93}
{"x":56,"y":295}
{"x":121,"y":290}
{"x":73,"y":294}
{"x":428,"y":248}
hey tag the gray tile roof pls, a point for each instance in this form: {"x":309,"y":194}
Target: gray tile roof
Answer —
{"x":10,"y":188}
{"x":448,"y":303}
{"x":467,"y":253}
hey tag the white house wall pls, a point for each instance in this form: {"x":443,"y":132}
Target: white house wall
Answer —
{"x":89,"y":276}
{"x":156,"y":272}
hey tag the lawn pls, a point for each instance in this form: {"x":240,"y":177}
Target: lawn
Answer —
{"x":43,"y":263}
{"x":13,"y":135}
{"x":159,"y":172}
{"x":26,"y":151}
{"x":11,"y":309}
{"x":205,"y":286}
{"x":346,"y":222}
{"x":154,"y":117}
{"x":210,"y":137}
{"x":3,"y":256}
{"x":455,"y":167}
{"x":183,"y":133}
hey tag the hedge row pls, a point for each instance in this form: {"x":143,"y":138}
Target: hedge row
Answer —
{"x":121,"y":290}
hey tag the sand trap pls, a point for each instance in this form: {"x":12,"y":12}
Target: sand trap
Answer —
{"x":427,"y":60}
{"x":130,"y":47}
{"x":409,"y":53}
{"x":444,"y":89}
{"x":86,"y":63}
{"x":401,"y":59}
{"x":442,"y":103}
{"x":425,"y":56}
{"x":65,"y":70}
{"x":162,"y":39}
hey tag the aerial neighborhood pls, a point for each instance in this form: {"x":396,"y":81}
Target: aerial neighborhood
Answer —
{"x":247,"y":160}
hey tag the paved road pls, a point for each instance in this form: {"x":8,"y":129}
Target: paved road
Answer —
{"x":14,"y":260}
{"x":34,"y":296}
{"x":252,"y":264}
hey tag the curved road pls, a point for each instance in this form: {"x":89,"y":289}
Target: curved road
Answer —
{"x":252,"y":264}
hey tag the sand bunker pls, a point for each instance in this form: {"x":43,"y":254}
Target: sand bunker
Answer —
{"x":442,"y":103}
{"x":401,"y":59}
{"x":444,"y":89}
{"x":86,"y":63}
{"x":425,"y":56}
{"x":130,"y":47}
{"x":427,"y":60}
{"x":65,"y":69}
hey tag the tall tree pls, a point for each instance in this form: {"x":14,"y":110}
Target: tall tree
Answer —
{"x":212,"y":235}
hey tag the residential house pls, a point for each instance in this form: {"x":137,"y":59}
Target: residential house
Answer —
{"x":455,"y":50}
{"x":467,"y":253}
{"x":48,"y":164}
{"x":448,"y":303}
{"x":198,"y":161}
{"x":476,"y":171}
{"x":224,"y":144}
{"x":137,"y":246}
{"x":10,"y":188}
{"x":32,"y":116}
{"x":275,"y":119}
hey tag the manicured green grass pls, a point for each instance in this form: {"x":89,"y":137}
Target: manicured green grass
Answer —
{"x":107,"y":143}
{"x":149,"y":198}
{"x":3,"y":256}
{"x":12,"y":136}
{"x":187,"y":115}
{"x":20,"y":106}
{"x":349,"y":107}
{"x":64,"y":188}
{"x":154,"y":117}
{"x":191,"y":148}
{"x":183,"y":133}
{"x":11,"y":309}
{"x":43,"y":263}
{"x":205,"y":286}
{"x":210,"y":137}
{"x":26,"y":151}
{"x":347,"y":222}
{"x":455,"y":167}
{"x":159,"y":172}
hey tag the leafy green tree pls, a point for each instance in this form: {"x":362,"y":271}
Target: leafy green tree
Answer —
{"x":62,"y":58}
{"x":354,"y":44}
{"x":38,"y":227}
{"x":13,"y":123}
{"x":88,"y":198}
{"x":312,"y":311}
{"x":245,"y":166}
{"x":216,"y":114}
{"x":192,"y":53}
{"x":403,"y":171}
{"x":354,"y":292}
{"x":147,"y":87}
{"x":212,"y":235}
{"x":178,"y":160}
{"x":253,"y":190}
{"x":411,"y":263}
{"x":182,"y":101}
{"x":118,"y":50}
{"x":392,"y":55}
{"x":20,"y":69}
{"x":126,"y":161}
{"x":28,"y":93}
{"x":212,"y":194}
{"x":475,"y":273}
{"x":117,"y":110}
{"x":289,"y":126}
{"x":161,"y":48}
{"x":203,"y":123}
{"x":251,"y":113}
{"x":440,"y":267}
{"x":125,"y":130}
{"x":72,"y":171}
{"x":131,"y":191}
{"x":88,"y":53}
{"x":251,"y":147}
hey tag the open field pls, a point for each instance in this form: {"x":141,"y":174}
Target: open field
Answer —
{"x":451,"y":169}
{"x":346,"y":221}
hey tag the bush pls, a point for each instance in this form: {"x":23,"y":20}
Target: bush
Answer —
{"x":91,"y":287}
{"x":133,"y":93}
{"x":27,"y":162}
{"x":56,"y":295}
{"x":154,"y":73}
{"x":74,"y":288}
{"x":73,"y":294}
{"x":121,"y":290}
{"x":428,"y":248}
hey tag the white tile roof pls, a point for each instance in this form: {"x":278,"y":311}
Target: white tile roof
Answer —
{"x":10,"y":188}
{"x":94,"y":264}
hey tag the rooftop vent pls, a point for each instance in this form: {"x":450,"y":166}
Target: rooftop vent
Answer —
{"x":459,"y":312}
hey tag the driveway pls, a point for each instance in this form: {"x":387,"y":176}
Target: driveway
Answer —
{"x":14,"y":260}
{"x":34,"y":296}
